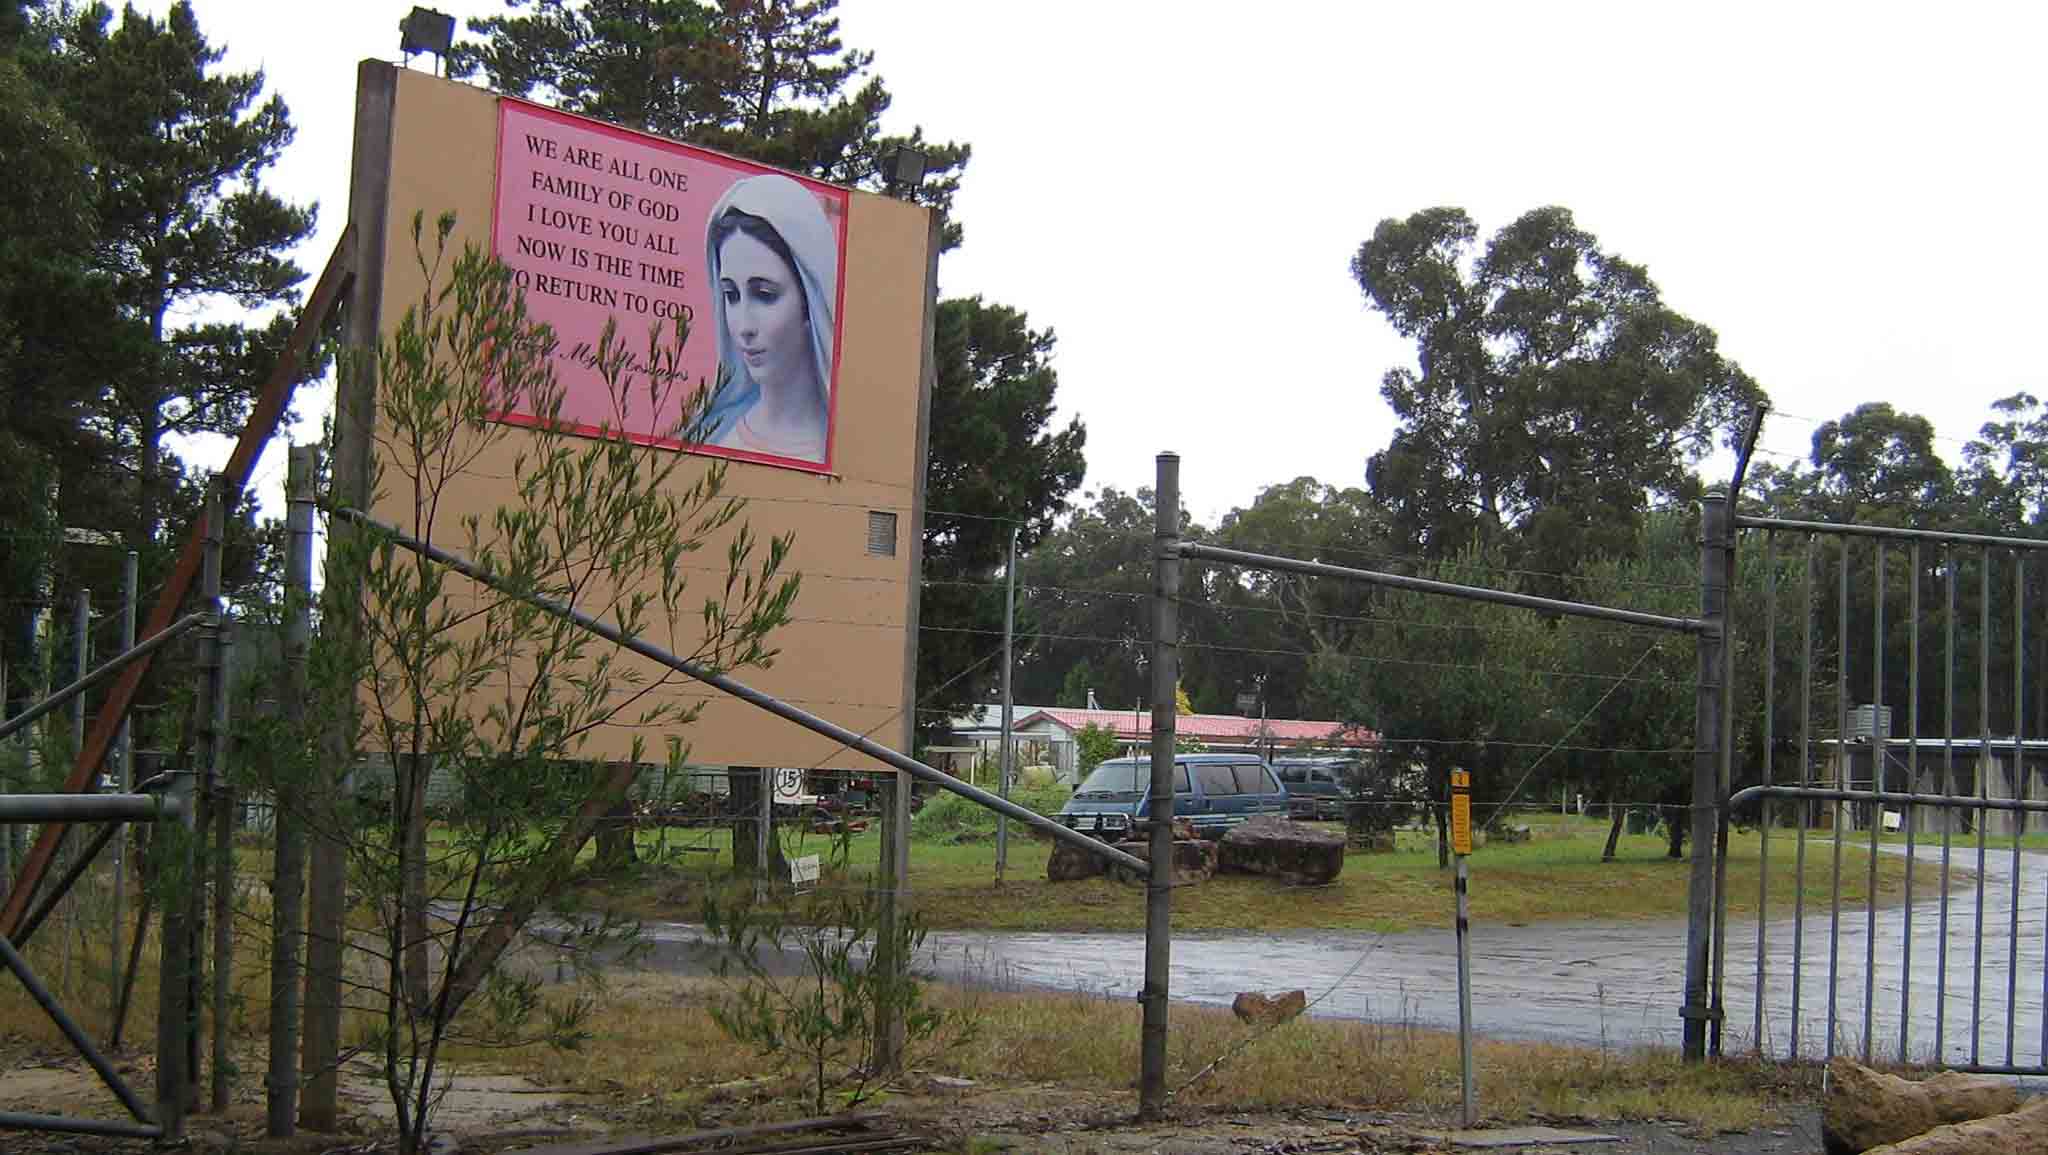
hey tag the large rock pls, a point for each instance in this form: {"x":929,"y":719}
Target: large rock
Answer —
{"x":2021,"y":1132}
{"x":1867,"y":1109}
{"x":1070,"y":863}
{"x":1293,"y":852}
{"x":1263,"y":1010}
{"x":1194,"y":860}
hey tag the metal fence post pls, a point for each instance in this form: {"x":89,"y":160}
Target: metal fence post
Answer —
{"x":1007,"y":762}
{"x":1159,"y":878}
{"x":889,"y":936}
{"x":124,"y":759}
{"x":1706,"y":773}
{"x":81,"y":661}
{"x":171,"y":864}
{"x":288,"y":879}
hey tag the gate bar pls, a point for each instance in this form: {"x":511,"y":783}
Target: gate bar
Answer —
{"x":1983,"y":781}
{"x":1948,"y":786}
{"x":1238,"y":557}
{"x":2019,"y":779}
{"x":1750,"y":794}
{"x":23,"y":1121}
{"x":748,"y":694}
{"x":51,"y":1007}
{"x":1841,"y":769}
{"x":1805,"y":811}
{"x":88,"y":808}
{"x":1877,"y":753}
{"x":1763,"y":867}
{"x":1912,"y":816}
{"x":1892,"y":532}
{"x":106,"y":670}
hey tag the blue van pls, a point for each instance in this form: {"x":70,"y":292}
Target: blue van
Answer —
{"x":1213,"y":791}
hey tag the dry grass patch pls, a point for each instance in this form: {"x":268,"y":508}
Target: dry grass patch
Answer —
{"x":653,"y":1044}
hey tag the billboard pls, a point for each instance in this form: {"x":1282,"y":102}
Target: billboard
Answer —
{"x":625,"y":227}
{"x":598,"y":223}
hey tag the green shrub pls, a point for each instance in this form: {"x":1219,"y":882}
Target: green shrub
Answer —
{"x":952,"y":819}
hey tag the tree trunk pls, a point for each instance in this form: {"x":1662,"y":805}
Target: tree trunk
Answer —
{"x":615,"y":850}
{"x":1615,"y":813}
{"x":150,"y":424}
{"x":745,"y":811}
{"x":1674,"y":831}
{"x":413,"y":882}
{"x":1443,"y":835}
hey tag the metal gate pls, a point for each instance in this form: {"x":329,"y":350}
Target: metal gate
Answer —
{"x":1901,"y":739}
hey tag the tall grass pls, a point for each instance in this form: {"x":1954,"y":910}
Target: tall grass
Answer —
{"x":950,"y":820}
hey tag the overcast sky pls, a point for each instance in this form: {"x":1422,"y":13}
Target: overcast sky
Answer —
{"x":1851,"y":195}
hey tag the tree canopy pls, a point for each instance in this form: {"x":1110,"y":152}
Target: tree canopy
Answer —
{"x":769,"y":80}
{"x":997,"y":463}
{"x":1554,"y":394}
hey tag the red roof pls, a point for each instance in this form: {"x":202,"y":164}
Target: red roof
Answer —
{"x":1224,"y":728}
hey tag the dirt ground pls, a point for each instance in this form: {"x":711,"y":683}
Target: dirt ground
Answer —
{"x":490,"y":1114}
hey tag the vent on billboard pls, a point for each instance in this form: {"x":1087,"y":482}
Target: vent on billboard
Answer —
{"x":881,"y":534}
{"x":1866,"y":721}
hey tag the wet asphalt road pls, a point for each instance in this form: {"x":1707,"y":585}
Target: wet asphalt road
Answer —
{"x":1598,"y":983}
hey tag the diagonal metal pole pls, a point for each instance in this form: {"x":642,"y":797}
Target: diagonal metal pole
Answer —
{"x":12,"y":959}
{"x":100,"y":674}
{"x":753,"y":697}
{"x":271,"y":403}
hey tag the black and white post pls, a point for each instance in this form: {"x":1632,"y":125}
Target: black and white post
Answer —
{"x":1461,"y":847}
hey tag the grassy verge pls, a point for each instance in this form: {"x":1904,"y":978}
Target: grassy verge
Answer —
{"x":654,"y":1042}
{"x":1557,"y":875}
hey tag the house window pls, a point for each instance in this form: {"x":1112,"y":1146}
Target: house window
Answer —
{"x":881,"y":533}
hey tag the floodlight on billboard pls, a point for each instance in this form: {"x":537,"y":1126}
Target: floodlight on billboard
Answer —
{"x":600,"y":223}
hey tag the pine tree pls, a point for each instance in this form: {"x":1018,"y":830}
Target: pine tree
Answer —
{"x":179,"y":151}
{"x":765,"y":79}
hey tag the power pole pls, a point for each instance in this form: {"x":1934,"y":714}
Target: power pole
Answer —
{"x":1009,"y":709}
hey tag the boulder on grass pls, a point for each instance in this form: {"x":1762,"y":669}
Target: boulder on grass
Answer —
{"x":1263,"y":1010}
{"x":1514,"y":834}
{"x":1194,"y":860}
{"x":1866,"y":1109}
{"x":2021,"y":1132}
{"x":1070,"y":863}
{"x":1293,"y":852}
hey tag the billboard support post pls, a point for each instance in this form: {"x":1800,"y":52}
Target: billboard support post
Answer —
{"x":354,"y":420}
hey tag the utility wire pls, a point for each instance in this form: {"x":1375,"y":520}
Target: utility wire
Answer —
{"x":1512,"y":794}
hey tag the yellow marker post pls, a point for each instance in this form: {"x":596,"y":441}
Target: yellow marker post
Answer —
{"x":1461,"y":812}
{"x":1461,"y":846}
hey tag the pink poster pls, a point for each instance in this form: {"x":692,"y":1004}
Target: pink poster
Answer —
{"x":599,"y":223}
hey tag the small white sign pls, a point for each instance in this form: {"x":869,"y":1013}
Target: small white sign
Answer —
{"x":803,"y":871}
{"x":1892,"y":821}
{"x":789,"y":788}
